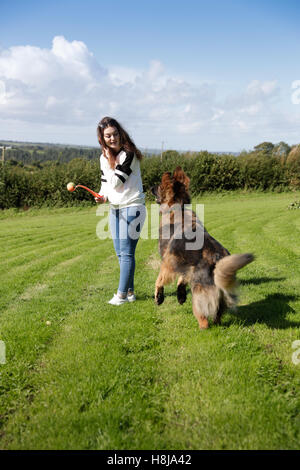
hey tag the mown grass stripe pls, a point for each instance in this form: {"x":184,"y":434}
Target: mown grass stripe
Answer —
{"x":15,"y":283}
{"x":105,"y":372}
{"x":40,"y":250}
{"x":26,"y":333}
{"x":61,"y":249}
{"x":37,"y":239}
{"x":143,"y":376}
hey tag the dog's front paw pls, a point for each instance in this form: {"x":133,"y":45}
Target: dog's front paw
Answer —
{"x":181,"y":293}
{"x":159,"y":296}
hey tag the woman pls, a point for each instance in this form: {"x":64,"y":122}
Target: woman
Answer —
{"x":121,"y":185}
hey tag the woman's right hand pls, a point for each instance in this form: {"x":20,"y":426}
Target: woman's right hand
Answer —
{"x":100,"y":200}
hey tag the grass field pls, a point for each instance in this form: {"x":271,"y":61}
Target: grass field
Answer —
{"x":82,"y":374}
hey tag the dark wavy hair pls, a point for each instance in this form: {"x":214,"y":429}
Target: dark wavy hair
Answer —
{"x":125,"y":140}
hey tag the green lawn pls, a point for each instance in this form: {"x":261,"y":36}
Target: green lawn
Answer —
{"x":82,"y":374}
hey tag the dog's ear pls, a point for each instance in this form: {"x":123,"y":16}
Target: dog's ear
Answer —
{"x":166,"y":187}
{"x":179,"y":175}
{"x":166,"y":178}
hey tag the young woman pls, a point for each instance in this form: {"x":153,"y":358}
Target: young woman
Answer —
{"x":121,"y":185}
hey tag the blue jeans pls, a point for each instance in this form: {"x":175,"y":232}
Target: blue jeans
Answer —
{"x":126,"y":225}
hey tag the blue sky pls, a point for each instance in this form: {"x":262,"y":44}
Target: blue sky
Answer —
{"x":195,"y":74}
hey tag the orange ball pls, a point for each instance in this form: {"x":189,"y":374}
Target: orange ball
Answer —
{"x":71,"y":187}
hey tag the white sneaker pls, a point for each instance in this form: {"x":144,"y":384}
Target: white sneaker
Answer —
{"x":116,"y":300}
{"x":131,"y":297}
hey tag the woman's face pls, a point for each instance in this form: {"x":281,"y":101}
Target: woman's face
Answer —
{"x":112,"y":138}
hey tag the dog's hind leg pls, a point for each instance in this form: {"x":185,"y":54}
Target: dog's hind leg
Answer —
{"x":181,"y":290}
{"x":198,"y":313}
{"x":206,"y":304}
{"x":221,"y":309}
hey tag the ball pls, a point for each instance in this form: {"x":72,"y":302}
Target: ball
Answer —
{"x":71,"y":187}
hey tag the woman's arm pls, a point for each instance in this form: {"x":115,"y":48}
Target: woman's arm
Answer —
{"x":117,"y":177}
{"x":104,"y":188}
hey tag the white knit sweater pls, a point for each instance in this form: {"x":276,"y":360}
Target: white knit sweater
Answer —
{"x":123,"y":185}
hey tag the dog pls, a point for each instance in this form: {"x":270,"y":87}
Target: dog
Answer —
{"x":207,"y":266}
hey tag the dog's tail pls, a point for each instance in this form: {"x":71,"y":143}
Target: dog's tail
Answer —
{"x":210,"y":301}
{"x":226,"y":268}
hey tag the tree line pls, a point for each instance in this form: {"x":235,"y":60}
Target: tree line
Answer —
{"x":38,"y":154}
{"x":38,"y":182}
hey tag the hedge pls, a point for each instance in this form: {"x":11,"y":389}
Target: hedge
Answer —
{"x":22,"y":187}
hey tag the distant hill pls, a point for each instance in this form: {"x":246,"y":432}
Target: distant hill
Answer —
{"x":37,"y":153}
{"x":16,"y":144}
{"x":145,"y":151}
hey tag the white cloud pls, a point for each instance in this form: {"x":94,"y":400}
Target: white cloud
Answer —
{"x":120,"y":75}
{"x":62,"y":92}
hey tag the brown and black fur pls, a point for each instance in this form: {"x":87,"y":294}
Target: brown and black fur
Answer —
{"x":210,"y":270}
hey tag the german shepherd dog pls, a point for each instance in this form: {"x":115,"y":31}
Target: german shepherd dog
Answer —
{"x":208,"y":267}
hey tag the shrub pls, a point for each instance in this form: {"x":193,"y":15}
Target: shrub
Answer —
{"x":45,"y":183}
